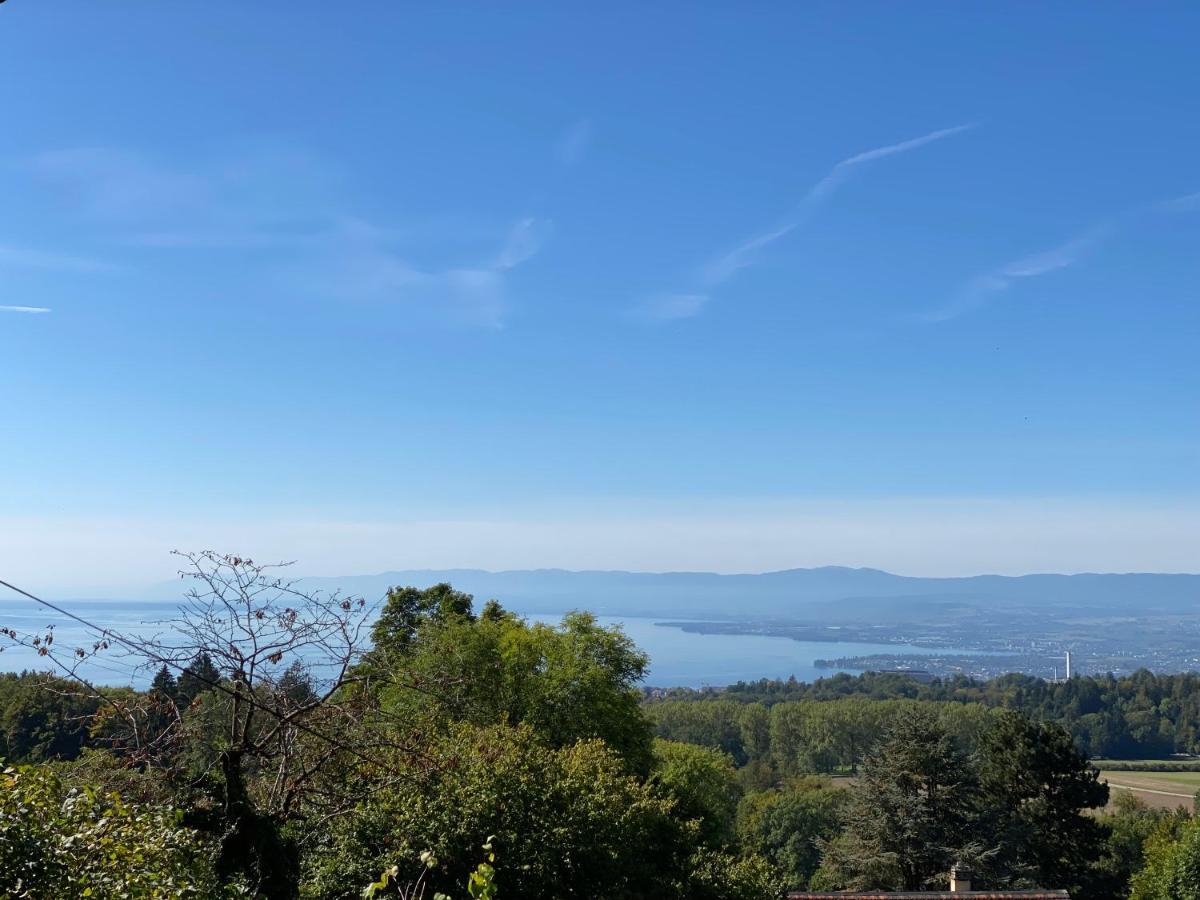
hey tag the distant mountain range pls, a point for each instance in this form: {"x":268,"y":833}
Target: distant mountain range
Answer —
{"x":792,"y":594}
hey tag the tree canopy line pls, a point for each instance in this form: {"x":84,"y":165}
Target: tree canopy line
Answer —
{"x":1136,"y":716}
{"x":295,"y":744}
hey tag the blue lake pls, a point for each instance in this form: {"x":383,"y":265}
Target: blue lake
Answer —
{"x":684,"y":658}
{"x":677,"y":657}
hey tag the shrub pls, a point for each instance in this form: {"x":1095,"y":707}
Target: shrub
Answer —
{"x":62,"y":841}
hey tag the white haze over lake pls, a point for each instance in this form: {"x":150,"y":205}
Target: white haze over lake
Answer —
{"x":113,"y":556}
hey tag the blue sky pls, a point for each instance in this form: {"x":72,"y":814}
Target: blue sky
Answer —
{"x":693,"y":286}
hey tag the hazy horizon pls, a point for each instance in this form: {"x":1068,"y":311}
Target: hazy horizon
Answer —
{"x":291,"y":570}
{"x":106,"y":559}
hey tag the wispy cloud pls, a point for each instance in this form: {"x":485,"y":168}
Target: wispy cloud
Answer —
{"x":983,"y":288}
{"x":725,"y":265}
{"x":1185,"y":203}
{"x":359,"y":265}
{"x":670,"y":307}
{"x":33,"y":310}
{"x":573,"y":143}
{"x":283,"y":211}
{"x":844,"y":169}
{"x":524,"y":241}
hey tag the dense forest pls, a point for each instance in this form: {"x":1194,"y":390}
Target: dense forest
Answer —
{"x":1137,"y":716}
{"x":298,"y":744}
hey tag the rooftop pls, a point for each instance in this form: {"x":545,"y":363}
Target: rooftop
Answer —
{"x":932,"y":895}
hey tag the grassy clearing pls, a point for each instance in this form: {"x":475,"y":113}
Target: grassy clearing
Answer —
{"x":1166,"y":790}
{"x":1191,"y":779}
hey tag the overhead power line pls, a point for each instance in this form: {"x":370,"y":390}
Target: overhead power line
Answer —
{"x":144,"y":650}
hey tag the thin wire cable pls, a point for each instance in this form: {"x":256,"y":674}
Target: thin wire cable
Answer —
{"x":28,"y":642}
{"x":146,"y":651}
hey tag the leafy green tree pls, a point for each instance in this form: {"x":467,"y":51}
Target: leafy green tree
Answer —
{"x":406,"y":608}
{"x":1172,"y":869}
{"x":43,"y":717}
{"x":59,"y":841}
{"x":574,"y":681}
{"x":788,"y":825}
{"x":716,"y":875}
{"x":566,"y":822}
{"x":296,"y":686}
{"x":1128,"y":828}
{"x":712,"y":724}
{"x":754,"y":728}
{"x":160,"y":709}
{"x":1136,"y":716}
{"x":704,"y":785}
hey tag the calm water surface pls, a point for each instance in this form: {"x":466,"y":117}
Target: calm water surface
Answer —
{"x":676,"y":657}
{"x":683,"y":658}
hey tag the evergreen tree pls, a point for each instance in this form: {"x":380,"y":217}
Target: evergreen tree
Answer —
{"x":164,"y":692}
{"x":911,"y":812}
{"x":164,"y":684}
{"x":198,"y":677}
{"x":1034,"y":787}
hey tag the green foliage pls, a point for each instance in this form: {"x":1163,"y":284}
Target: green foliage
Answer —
{"x":198,"y":677}
{"x":801,"y":737}
{"x":1172,"y":870}
{"x":1034,"y":785}
{"x":714,"y":724}
{"x":754,"y":730}
{"x":457,"y":726}
{"x":788,"y":825}
{"x":61,"y":841}
{"x":574,"y":681}
{"x":564,"y":820}
{"x":910,"y":813}
{"x":1128,"y":828}
{"x":1145,"y":765}
{"x":164,"y":684}
{"x":481,"y":884}
{"x":704,"y":785}
{"x":406,"y":609}
{"x":1142,"y":715}
{"x":714,"y":875}
{"x":389,"y":883}
{"x":43,"y":717}
{"x":1013,"y":810}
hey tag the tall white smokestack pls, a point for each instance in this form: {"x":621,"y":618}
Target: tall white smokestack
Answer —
{"x":1068,"y":665}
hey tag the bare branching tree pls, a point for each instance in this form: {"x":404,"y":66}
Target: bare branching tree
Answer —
{"x":266,"y":686}
{"x":253,"y":627}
